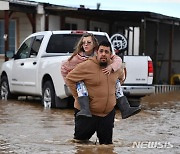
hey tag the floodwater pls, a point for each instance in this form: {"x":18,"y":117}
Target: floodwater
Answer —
{"x":27,"y":128}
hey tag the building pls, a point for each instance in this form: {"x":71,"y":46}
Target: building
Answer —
{"x":148,"y":33}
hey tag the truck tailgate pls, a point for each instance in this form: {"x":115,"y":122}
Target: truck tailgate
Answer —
{"x":137,"y":69}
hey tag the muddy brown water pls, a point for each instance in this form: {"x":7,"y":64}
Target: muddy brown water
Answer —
{"x":27,"y":128}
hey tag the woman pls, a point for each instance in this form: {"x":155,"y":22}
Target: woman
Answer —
{"x":85,"y":48}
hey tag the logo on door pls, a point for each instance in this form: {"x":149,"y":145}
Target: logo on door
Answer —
{"x":119,"y":42}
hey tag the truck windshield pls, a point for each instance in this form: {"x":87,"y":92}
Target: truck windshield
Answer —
{"x":65,"y":43}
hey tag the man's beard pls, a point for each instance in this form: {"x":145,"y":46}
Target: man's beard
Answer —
{"x":103,"y":64}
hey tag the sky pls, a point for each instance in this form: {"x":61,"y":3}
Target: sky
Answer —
{"x":165,"y":7}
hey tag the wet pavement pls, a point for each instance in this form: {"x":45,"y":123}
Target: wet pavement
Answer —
{"x":27,"y":128}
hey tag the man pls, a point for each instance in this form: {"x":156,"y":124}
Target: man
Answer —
{"x":101,"y":90}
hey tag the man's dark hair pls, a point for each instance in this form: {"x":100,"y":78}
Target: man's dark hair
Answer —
{"x":106,"y":44}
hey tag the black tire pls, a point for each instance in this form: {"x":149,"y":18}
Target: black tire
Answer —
{"x":5,"y":92}
{"x":48,"y":95}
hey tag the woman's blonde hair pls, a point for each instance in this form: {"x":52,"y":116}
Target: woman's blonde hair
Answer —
{"x":79,"y":46}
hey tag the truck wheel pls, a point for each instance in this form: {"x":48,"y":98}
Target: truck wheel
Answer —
{"x":48,"y":95}
{"x":5,"y":92}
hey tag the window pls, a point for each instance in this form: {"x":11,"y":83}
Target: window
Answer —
{"x":36,"y":45}
{"x":65,"y":43}
{"x":24,"y":50}
{"x":12,"y":35}
{"x":98,"y":29}
{"x":101,"y":38}
{"x":59,"y":43}
{"x":1,"y":36}
{"x":30,"y":48}
{"x":70,"y":26}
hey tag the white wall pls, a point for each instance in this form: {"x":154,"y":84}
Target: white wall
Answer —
{"x":136,"y":40}
{"x":54,"y":22}
{"x":40,"y":23}
{"x":4,"y":5}
{"x":104,"y":26}
{"x":80,"y":23}
{"x":23,"y":27}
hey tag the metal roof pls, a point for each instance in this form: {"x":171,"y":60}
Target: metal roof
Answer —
{"x":103,"y":15}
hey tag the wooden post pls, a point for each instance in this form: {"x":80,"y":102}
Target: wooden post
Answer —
{"x":62,"y":22}
{"x":6,"y":33}
{"x":88,"y":24}
{"x":171,"y":39}
{"x":156,"y":54}
{"x":46,"y":22}
{"x":32,"y":19}
{"x":143,"y":36}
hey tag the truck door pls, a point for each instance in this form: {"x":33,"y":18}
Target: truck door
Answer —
{"x":25,"y":66}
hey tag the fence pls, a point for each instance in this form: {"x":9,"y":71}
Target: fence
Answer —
{"x":166,"y":88}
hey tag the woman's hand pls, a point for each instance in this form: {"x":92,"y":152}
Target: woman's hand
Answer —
{"x":107,"y":70}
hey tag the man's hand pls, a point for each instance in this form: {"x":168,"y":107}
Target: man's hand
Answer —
{"x":108,"y":70}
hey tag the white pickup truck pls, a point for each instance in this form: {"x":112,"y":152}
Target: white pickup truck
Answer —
{"x":35,"y":68}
